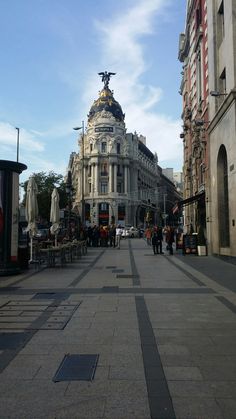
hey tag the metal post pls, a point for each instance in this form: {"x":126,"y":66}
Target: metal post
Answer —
{"x":17,"y":144}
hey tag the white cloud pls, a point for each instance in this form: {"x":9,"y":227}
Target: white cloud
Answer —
{"x":28,"y":139}
{"x":123,"y":51}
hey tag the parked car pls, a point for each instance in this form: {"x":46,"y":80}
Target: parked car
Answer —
{"x":133,"y":232}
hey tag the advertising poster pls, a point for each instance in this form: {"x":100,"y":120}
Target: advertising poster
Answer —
{"x":14,"y":221}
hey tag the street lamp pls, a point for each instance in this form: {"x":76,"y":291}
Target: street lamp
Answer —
{"x":17,"y":144}
{"x":82,"y":174}
{"x":215,"y":93}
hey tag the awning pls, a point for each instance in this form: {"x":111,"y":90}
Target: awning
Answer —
{"x":188,"y":201}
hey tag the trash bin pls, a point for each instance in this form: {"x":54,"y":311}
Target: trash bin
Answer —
{"x":23,"y":251}
{"x":23,"y":256}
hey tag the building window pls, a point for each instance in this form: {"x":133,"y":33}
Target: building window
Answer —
{"x":222,"y":84}
{"x":199,"y":15}
{"x":199,"y":77}
{"x":118,"y":148}
{"x":91,"y":147}
{"x":103,"y":187}
{"x":90,"y":171}
{"x":90,"y":187}
{"x":119,"y":187}
{"x":104,"y":206}
{"x":220,"y":23}
{"x":104,"y":171}
{"x":119,"y":170}
{"x":104,"y":147}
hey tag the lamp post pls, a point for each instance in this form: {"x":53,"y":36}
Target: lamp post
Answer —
{"x":69,"y":195}
{"x":17,"y":144}
{"x":82,"y":172}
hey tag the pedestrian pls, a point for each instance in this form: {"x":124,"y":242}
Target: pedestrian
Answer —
{"x":111,"y":235}
{"x":154,"y":243}
{"x":118,"y":236}
{"x":159,"y":240}
{"x":148,"y":235}
{"x":170,"y":238}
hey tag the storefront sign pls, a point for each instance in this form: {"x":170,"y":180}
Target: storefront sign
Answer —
{"x":190,"y":244}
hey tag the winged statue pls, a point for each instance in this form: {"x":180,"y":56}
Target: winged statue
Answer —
{"x":106,"y":77}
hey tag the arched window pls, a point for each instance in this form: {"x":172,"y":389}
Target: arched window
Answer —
{"x":223,"y":198}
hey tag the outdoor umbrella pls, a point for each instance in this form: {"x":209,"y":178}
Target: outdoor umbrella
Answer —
{"x":31,"y":211}
{"x":55,"y":214}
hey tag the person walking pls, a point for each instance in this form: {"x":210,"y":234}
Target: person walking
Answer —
{"x":159,"y":240}
{"x":113,"y":234}
{"x":118,"y":236}
{"x":148,"y":235}
{"x":155,"y":243}
{"x":170,"y":238}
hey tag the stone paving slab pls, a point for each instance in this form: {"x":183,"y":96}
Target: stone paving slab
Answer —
{"x":178,"y":349}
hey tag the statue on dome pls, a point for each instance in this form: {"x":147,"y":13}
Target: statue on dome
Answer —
{"x":106,"y":78}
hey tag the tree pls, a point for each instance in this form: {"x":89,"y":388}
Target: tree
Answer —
{"x":46,"y":183}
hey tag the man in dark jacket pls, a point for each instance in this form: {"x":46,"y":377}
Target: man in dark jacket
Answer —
{"x":154,"y":243}
{"x":159,"y":240}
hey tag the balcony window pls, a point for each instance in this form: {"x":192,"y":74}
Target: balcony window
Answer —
{"x":104,"y":187}
{"x":104,"y":170}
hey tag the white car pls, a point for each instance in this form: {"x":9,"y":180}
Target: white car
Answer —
{"x":125,"y":233}
{"x":133,"y":232}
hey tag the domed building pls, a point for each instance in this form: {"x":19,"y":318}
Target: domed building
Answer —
{"x":115,"y":176}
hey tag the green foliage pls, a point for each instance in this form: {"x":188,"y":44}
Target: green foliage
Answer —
{"x":46,"y":183}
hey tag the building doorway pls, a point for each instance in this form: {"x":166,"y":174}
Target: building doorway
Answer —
{"x":223,"y":197}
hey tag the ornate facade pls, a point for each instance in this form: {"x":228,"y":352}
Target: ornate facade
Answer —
{"x":116,"y":178}
{"x":193,"y":53}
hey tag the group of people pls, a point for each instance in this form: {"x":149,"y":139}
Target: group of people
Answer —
{"x":103,"y":236}
{"x":155,"y":238}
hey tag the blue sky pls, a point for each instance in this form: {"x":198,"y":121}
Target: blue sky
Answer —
{"x":51,"y":52}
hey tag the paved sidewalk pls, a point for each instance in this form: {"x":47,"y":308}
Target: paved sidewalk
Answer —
{"x":163,"y":328}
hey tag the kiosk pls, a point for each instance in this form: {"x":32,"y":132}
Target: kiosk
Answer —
{"x":9,"y":216}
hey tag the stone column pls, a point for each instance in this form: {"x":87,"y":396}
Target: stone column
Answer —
{"x":85,"y":180}
{"x":96,"y":178}
{"x":115,"y":178}
{"x":126,"y":179}
{"x":110,"y":177}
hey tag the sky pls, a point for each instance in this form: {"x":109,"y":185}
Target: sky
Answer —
{"x":50,"y":54}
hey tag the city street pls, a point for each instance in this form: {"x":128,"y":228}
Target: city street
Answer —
{"x":162,"y":330}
